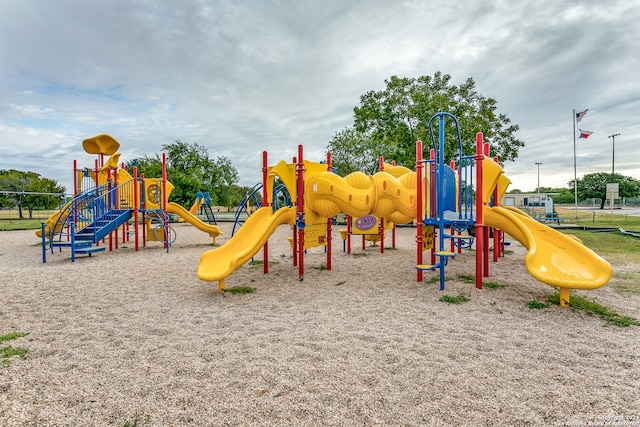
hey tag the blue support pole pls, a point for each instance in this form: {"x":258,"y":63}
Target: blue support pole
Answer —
{"x":44,"y":243}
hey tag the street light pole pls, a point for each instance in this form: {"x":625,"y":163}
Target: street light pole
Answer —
{"x":538,"y":164}
{"x":613,"y":153}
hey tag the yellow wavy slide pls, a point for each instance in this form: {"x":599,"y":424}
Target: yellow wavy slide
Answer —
{"x":219,"y":263}
{"x":554,"y":258}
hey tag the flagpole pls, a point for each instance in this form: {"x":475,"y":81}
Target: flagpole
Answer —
{"x":575,"y":171}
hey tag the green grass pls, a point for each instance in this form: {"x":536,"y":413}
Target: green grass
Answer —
{"x":139,"y":419}
{"x":493,"y":285}
{"x":359,"y":254}
{"x":467,"y":278}
{"x":436,"y":279}
{"x":592,"y":307}
{"x":261,"y":262}
{"x":458,"y":299}
{"x":23,"y":224}
{"x":471,"y":279}
{"x":240,"y":290}
{"x":7,"y":352}
{"x":536,"y":305}
{"x":622,"y":252}
{"x":600,"y":218}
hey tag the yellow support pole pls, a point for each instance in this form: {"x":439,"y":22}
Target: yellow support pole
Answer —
{"x":221,"y":285}
{"x":564,"y":297}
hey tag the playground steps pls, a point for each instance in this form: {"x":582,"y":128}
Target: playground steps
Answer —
{"x":82,"y":242}
{"x":79,"y":247}
{"x":210,"y":216}
{"x":89,"y":251}
{"x":104,"y":225}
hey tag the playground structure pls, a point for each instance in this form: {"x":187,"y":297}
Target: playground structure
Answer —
{"x":439,"y":197}
{"x":108,"y":200}
{"x":202,"y":203}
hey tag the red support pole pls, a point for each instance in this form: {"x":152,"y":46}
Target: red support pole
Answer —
{"x":164,"y":199}
{"x":136,"y":202}
{"x":329,"y":220}
{"x":348,"y":234}
{"x":265,"y":203}
{"x":117,"y":204}
{"x":143,"y":204}
{"x":393,"y":236}
{"x":496,"y":232}
{"x":381,"y":226}
{"x":300,"y":211}
{"x":479,"y":204}
{"x":419,"y":197}
{"x":485,"y":258}
{"x":432,"y":182}
{"x":433,"y":196}
{"x":452,"y":232}
{"x":294,"y":247}
{"x":75,"y":177}
{"x":109,"y":205}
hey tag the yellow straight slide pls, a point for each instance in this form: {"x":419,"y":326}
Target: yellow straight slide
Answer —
{"x":219,"y":263}
{"x":554,"y":258}
{"x":177,"y":209}
{"x":53,"y":219}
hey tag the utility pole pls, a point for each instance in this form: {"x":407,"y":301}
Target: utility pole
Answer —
{"x":538,"y":164}
{"x":613,"y":153}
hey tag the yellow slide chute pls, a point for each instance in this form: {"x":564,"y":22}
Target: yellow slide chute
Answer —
{"x":218,"y":263}
{"x":553,"y":258}
{"x":177,"y":209}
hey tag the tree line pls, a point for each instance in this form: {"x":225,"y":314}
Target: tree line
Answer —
{"x":28,"y":191}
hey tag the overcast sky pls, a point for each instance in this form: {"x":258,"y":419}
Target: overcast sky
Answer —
{"x":240,"y":77}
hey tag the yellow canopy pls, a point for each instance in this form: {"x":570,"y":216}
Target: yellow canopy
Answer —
{"x":101,"y":144}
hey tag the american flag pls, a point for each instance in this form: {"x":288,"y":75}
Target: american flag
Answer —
{"x":580,"y":115}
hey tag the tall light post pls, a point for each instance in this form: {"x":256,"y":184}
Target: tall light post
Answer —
{"x":613,"y":152}
{"x":538,"y":164}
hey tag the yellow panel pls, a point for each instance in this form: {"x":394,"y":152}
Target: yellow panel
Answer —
{"x":315,"y":235}
{"x":428,"y":237}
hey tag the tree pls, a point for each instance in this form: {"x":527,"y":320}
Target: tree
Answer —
{"x":190,"y":169}
{"x":29,"y":190}
{"x":352,"y":151}
{"x":594,"y":186}
{"x":390,"y":121}
{"x":150,"y":166}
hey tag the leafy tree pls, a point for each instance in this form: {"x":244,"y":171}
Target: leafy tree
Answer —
{"x":190,"y":169}
{"x":390,"y":121}
{"x":150,"y":166}
{"x":353,"y":151}
{"x":29,"y":190}
{"x":559,"y":195}
{"x":594,"y":186}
